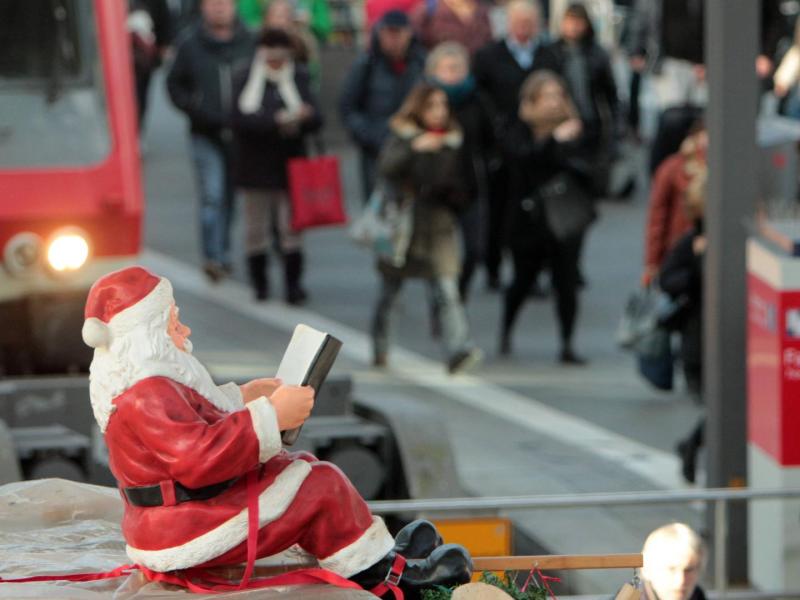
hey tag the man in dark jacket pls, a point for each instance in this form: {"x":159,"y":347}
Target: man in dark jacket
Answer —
{"x":200,"y":83}
{"x":499,"y":69}
{"x":376,"y":86}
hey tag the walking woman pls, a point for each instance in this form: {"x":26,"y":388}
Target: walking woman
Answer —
{"x":274,"y":112}
{"x":546,"y":156}
{"x":422,"y":160}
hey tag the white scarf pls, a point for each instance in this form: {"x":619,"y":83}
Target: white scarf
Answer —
{"x":261,"y":73}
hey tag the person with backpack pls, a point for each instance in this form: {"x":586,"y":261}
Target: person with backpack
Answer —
{"x":375,"y":86}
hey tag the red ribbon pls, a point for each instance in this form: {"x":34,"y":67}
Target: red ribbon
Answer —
{"x":545,"y":579}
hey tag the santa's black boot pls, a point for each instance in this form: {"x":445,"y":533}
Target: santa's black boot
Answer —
{"x":417,"y":539}
{"x":447,"y":565}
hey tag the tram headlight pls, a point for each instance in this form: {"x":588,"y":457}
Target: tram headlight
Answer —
{"x":68,"y":250}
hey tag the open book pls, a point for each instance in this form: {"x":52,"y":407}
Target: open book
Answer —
{"x":307,"y":361}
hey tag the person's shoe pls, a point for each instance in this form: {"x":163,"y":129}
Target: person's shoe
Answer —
{"x":417,"y":539}
{"x":568,"y":357}
{"x":380,"y":361}
{"x":296,"y":295}
{"x":464,"y":360}
{"x":446,"y":566}
{"x":213,"y":271}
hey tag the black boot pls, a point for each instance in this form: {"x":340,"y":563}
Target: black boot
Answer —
{"x":257,"y":269}
{"x":293,"y":269}
{"x":417,"y":539}
{"x":447,"y":565}
{"x":504,"y":347}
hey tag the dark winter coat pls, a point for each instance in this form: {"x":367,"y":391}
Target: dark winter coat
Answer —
{"x":261,"y":151}
{"x":681,"y":277}
{"x":474,"y":116}
{"x":533,"y":163}
{"x":373,"y":91}
{"x":433,"y":182}
{"x":200,"y":81}
{"x":598,"y":77}
{"x":500,"y":78}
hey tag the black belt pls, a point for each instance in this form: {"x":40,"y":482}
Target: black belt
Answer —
{"x":169,"y":493}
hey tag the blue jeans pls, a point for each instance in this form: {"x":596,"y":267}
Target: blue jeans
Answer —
{"x":212,"y":172}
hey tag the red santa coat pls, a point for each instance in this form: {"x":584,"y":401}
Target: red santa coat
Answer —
{"x":163,"y":431}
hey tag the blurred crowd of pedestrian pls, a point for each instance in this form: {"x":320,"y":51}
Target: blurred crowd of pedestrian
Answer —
{"x":496,"y":124}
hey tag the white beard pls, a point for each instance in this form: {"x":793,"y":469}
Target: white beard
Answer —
{"x":146,"y":352}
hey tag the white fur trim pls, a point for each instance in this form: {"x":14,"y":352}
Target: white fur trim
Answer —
{"x":95,"y":333}
{"x":158,"y":300}
{"x":373,"y":545}
{"x":265,"y":424}
{"x":234,"y":393}
{"x":272,"y":504}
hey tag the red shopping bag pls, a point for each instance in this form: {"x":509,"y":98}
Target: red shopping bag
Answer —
{"x":315,"y":189}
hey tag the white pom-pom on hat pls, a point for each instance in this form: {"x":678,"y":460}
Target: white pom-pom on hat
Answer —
{"x":95,"y":333}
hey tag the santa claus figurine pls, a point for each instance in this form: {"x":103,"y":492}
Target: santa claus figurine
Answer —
{"x":187,"y":454}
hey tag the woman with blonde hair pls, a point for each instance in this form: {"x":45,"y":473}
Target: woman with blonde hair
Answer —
{"x":546,"y":154}
{"x":422,"y":160}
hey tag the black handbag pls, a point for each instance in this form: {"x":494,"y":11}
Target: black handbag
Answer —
{"x":568,"y":206}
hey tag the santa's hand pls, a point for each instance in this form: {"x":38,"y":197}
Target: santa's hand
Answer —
{"x":253,"y":390}
{"x":292,"y":405}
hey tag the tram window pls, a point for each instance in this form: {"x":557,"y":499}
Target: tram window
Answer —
{"x":38,"y":36}
{"x":52,"y":97}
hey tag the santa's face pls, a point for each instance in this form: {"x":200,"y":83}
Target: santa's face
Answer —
{"x":177,"y":331}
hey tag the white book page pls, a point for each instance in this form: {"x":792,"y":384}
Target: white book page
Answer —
{"x":300,"y":354}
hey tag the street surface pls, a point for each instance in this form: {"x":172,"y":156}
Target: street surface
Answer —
{"x":519,"y":425}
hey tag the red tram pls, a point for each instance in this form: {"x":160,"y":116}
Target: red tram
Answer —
{"x":70,"y":187}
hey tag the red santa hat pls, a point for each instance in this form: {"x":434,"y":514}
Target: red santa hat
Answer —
{"x":122,"y":300}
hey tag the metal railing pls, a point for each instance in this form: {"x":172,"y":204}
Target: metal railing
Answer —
{"x":720,"y":497}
